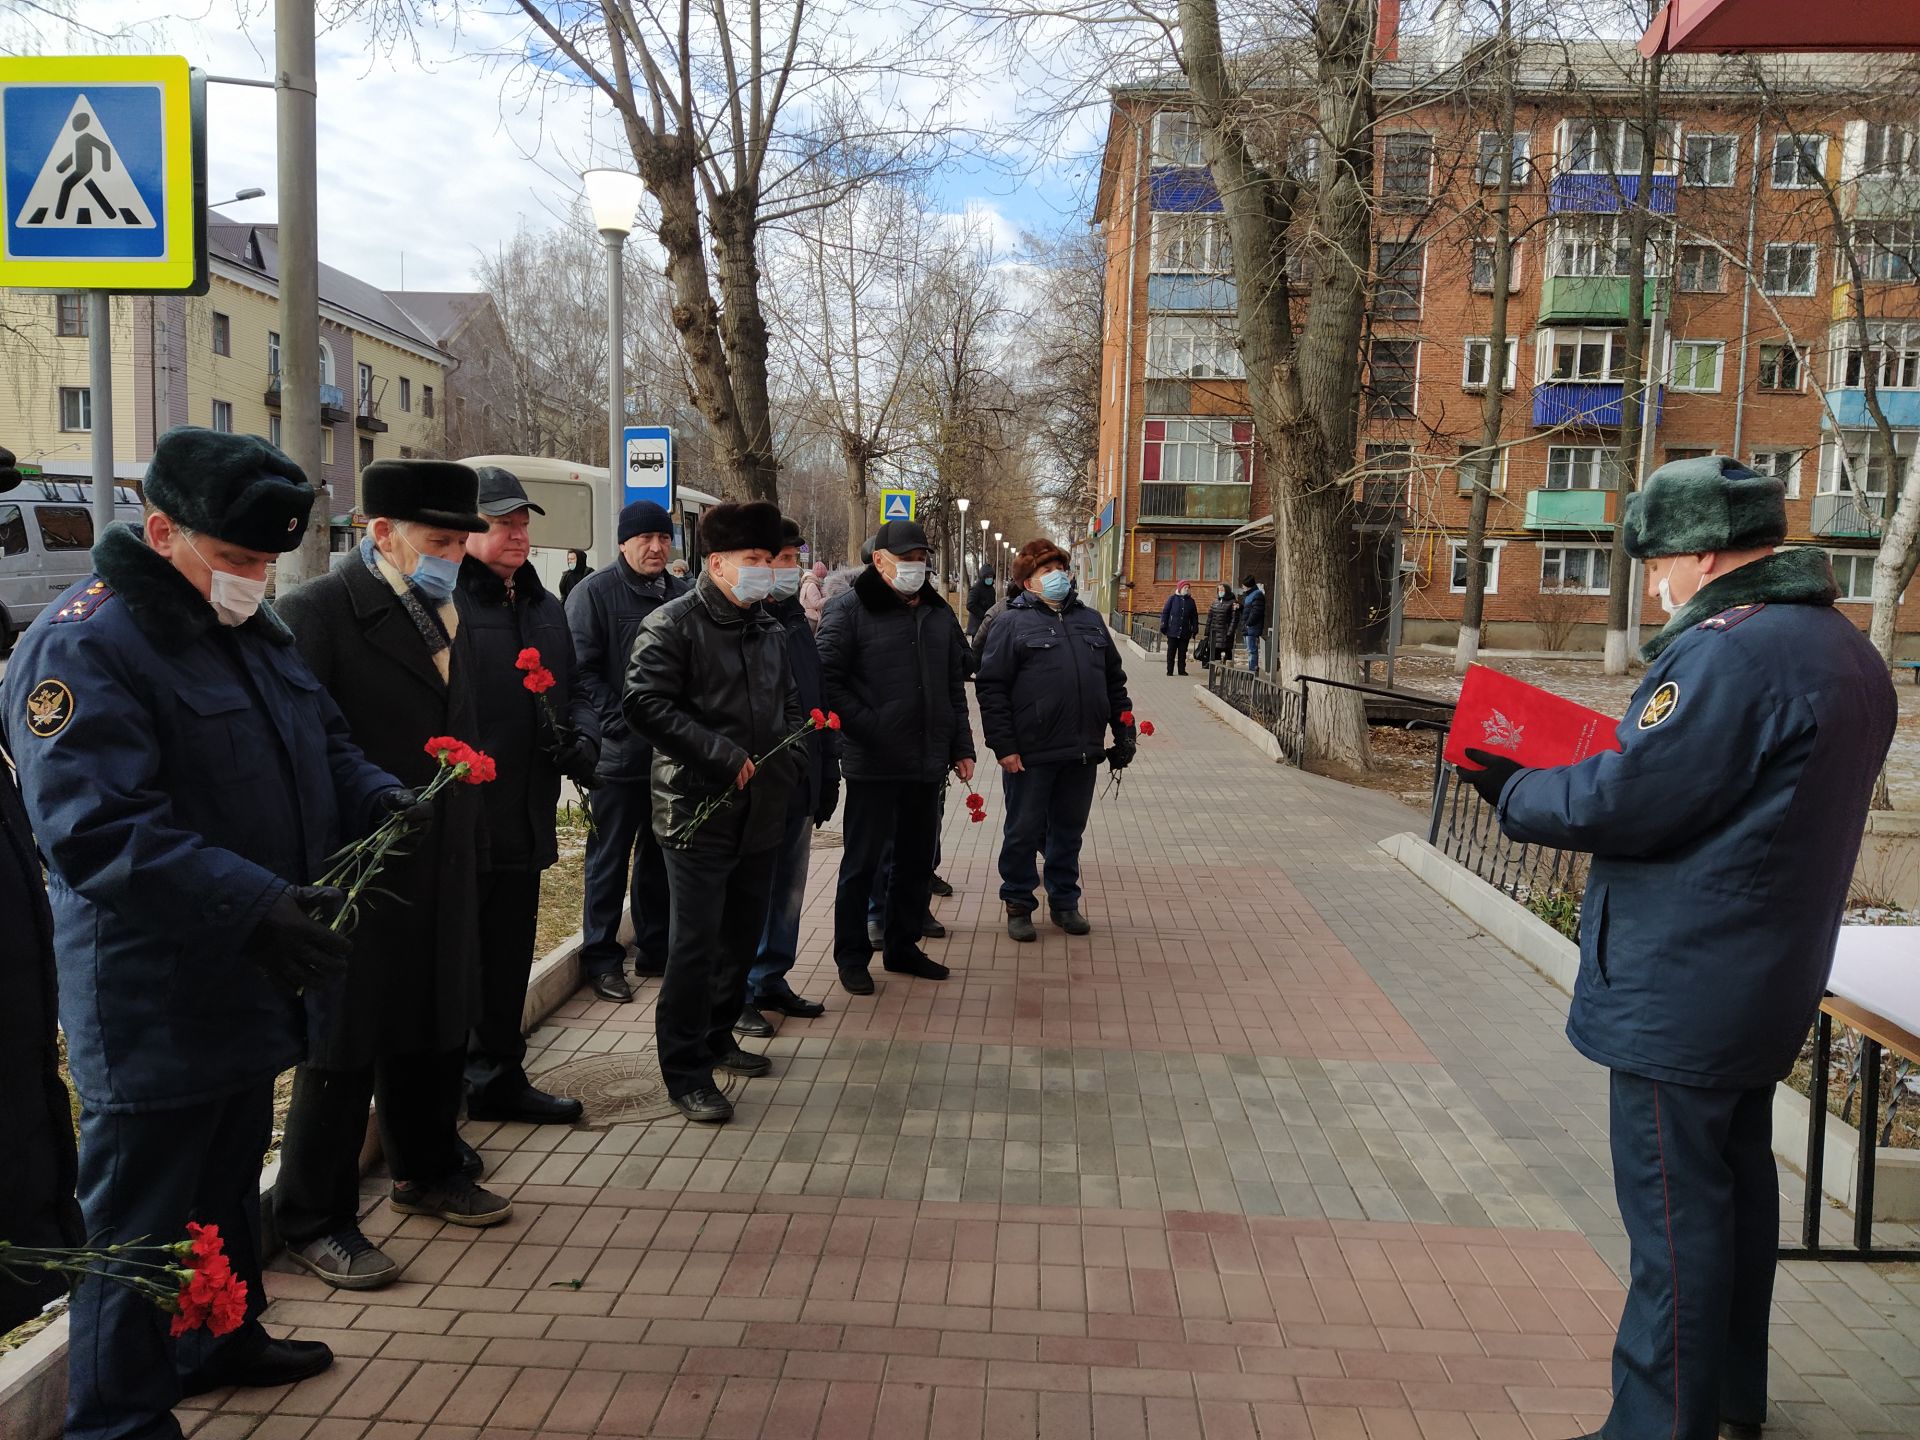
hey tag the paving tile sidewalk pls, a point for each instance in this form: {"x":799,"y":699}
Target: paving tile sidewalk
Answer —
{"x":1284,"y":1149}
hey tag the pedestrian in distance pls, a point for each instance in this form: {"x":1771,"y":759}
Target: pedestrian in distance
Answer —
{"x":891,"y":653}
{"x":535,"y":740}
{"x":813,"y":598}
{"x":1221,"y":615}
{"x":188,"y":778}
{"x":576,"y":571}
{"x":980,"y":599}
{"x":1179,"y":623}
{"x":383,"y":635}
{"x":1723,"y":834}
{"x":813,"y":804}
{"x":680,"y":570}
{"x":1253,"y":620}
{"x":711,"y":688}
{"x":625,"y":869}
{"x":1051,"y":686}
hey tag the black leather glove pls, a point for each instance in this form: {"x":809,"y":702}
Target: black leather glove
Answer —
{"x":1120,"y":754}
{"x":408,"y":805}
{"x":1492,"y":776}
{"x":576,"y":756}
{"x":292,"y":943}
{"x":829,"y":801}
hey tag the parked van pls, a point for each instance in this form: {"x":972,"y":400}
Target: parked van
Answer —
{"x":46,"y":536}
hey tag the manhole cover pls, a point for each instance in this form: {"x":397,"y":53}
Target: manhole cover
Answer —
{"x":622,"y":1089}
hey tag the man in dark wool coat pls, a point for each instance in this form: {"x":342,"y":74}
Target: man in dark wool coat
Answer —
{"x":1723,"y":834}
{"x":384,"y":636}
{"x":186,"y":776}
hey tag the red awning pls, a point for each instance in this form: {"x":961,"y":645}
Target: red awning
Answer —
{"x":1725,"y":26}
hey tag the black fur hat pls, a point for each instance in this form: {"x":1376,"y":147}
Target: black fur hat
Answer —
{"x":790,"y":536}
{"x":235,"y":488}
{"x":754,"y":525}
{"x":9,"y":475}
{"x":428,"y":492}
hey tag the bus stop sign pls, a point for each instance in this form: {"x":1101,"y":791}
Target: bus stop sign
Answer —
{"x":647,"y":468}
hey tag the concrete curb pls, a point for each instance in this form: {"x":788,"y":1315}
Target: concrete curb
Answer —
{"x":33,"y":1378}
{"x":1250,"y":731}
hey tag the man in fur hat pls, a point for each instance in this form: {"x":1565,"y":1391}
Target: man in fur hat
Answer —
{"x":1723,"y":836}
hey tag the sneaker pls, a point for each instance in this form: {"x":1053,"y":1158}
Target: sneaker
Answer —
{"x":941,"y":887}
{"x":743,"y":1062}
{"x":346,"y":1260}
{"x":457,"y":1201}
{"x":1020,"y":925}
{"x":917,"y":964}
{"x":1072,"y":921}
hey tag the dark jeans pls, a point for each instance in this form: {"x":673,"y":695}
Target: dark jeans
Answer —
{"x":509,"y":917}
{"x":780,"y":937}
{"x":622,"y":840}
{"x":145,"y":1176}
{"x":883,"y":877}
{"x":1253,"y":652}
{"x":719,"y":909}
{"x":880,"y":813}
{"x":1047,"y":809}
{"x":1177,"y":653}
{"x":1694,"y":1175}
{"x":318,"y":1192}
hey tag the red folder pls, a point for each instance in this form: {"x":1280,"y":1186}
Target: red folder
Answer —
{"x":1505,"y":716}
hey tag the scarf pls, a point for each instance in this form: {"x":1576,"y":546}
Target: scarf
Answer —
{"x":437,"y":624}
{"x":1797,"y":575}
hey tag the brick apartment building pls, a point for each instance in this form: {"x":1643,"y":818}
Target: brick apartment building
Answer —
{"x":1761,"y":359}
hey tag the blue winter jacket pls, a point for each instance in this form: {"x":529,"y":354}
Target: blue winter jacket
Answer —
{"x":1253,"y":612}
{"x":1179,"y":618}
{"x":1050,"y":685}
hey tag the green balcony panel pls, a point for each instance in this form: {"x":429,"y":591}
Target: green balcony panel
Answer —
{"x":1202,"y":504}
{"x":1567,"y":510}
{"x":1587,"y":297}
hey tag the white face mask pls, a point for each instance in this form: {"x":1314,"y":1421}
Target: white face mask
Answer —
{"x":234,"y":598}
{"x":786,"y":583}
{"x":909,"y":576}
{"x":1664,"y":588}
{"x":752,"y":582}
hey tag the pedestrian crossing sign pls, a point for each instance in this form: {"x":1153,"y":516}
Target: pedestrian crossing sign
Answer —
{"x":896,"y":505}
{"x":102,"y":174}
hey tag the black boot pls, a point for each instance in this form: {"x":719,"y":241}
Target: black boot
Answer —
{"x":1020,"y":925}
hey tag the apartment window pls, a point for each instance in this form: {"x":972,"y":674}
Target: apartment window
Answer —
{"x":1696,"y":364}
{"x":222,"y":334}
{"x":366,"y":452}
{"x":1186,"y":560}
{"x":273,"y":431}
{"x":365,"y":376}
{"x":1591,"y":355}
{"x":273,"y":353}
{"x":70,"y":315}
{"x":1581,"y":568}
{"x":1393,"y":368}
{"x":1687,"y":452}
{"x":426,"y":401}
{"x":1481,"y":266}
{"x":1191,"y":244}
{"x":1597,"y":245}
{"x":326,"y":363}
{"x":1582,"y":467}
{"x":1789,"y":269}
{"x":1868,"y":468}
{"x":1887,"y":249}
{"x":1853,"y":573}
{"x":1782,"y":465}
{"x":1457,"y":582}
{"x":1891,"y":357}
{"x":1196,"y":452}
{"x":1406,"y":171}
{"x":1889,"y":150}
{"x":1303,"y":157}
{"x":326,"y":445}
{"x":1191,"y":347}
{"x":1697,"y":268}
{"x":1613,"y":147}
{"x":1396,"y":293}
{"x":406,"y":394}
{"x":223,"y":416}
{"x":1710,"y":159}
{"x":1476,"y":358}
{"x":1782,"y":366}
{"x":1486,"y":169}
{"x":1799,"y":161}
{"x":1472,"y":463}
{"x":1176,"y":139}
{"x":76,"y":407}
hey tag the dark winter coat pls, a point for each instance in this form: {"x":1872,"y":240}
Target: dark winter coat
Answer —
{"x":1051,"y":685}
{"x":823,"y":746}
{"x":1253,"y":611}
{"x":1220,"y":628}
{"x":1724,"y":833}
{"x":980,"y":599}
{"x":605,"y":613}
{"x":1179,"y":617}
{"x":515,"y":728}
{"x":570,"y":577}
{"x":710,"y":688}
{"x":896,"y":674}
{"x":413,"y":983}
{"x":179,"y":774}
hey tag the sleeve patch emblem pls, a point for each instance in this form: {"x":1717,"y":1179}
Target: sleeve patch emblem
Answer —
{"x":1660,"y":706}
{"x":49,"y":708}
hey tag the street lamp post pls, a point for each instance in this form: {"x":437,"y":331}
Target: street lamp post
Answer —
{"x":614,"y":198}
{"x":984,"y":524}
{"x":960,"y":504}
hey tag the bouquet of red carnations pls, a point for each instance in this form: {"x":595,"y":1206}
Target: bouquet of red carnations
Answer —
{"x":539,"y":679}
{"x":818,"y":720}
{"x":191,"y":1280}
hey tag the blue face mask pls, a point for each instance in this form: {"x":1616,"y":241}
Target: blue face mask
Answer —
{"x":432,"y":576}
{"x":1056,"y":585}
{"x":786,"y":583}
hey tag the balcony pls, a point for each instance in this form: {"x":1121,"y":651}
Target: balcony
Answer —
{"x":1208,"y":293}
{"x":1885,"y":197}
{"x":1609,"y":194}
{"x":1584,"y":404}
{"x":1567,"y":510}
{"x":1587,"y":297}
{"x":1184,"y":190}
{"x":1162,"y":503}
{"x":1901,"y":407}
{"x":1847,"y":516}
{"x":333,"y":400}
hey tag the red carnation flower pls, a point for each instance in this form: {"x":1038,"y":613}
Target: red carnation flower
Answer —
{"x":1126,"y":717}
{"x":1146,"y":727}
{"x":818,"y":717}
{"x":978,"y":816}
{"x":539,"y":680}
{"x":529,"y":659}
{"x":210,"y":1293}
{"x":205,"y":1240}
{"x":440,"y":747}
{"x":833,"y":721}
{"x":976,"y":801}
{"x":480,"y":768}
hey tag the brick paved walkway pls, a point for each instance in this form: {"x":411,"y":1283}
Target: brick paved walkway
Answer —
{"x":1284,"y":1149}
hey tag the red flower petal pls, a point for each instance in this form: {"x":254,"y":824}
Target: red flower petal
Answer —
{"x":978,"y":816}
{"x":818,"y":717}
{"x":1146,"y":727}
{"x":1126,"y":717}
{"x":833,"y":721}
{"x":529,"y":659}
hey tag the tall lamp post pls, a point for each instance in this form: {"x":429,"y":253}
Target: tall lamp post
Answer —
{"x":984,"y":524}
{"x":614,"y":198}
{"x":960,"y":504}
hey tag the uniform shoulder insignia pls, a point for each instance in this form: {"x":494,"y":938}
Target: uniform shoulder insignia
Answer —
{"x":81,"y":606}
{"x":1727,"y":619}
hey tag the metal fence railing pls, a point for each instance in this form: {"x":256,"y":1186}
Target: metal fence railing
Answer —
{"x":1146,"y":634}
{"x":1464,"y":827}
{"x":1280,"y":710}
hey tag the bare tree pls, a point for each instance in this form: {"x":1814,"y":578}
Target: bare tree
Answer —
{"x":1060,"y":337}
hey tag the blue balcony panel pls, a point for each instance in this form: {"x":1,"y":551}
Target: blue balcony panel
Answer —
{"x":1187,"y":190}
{"x":1609,"y":194}
{"x":1567,"y":510}
{"x":1583,"y":403}
{"x":1190,"y":292}
{"x":1901,"y":407}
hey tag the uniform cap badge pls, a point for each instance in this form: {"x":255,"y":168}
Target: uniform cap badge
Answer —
{"x":49,"y":708}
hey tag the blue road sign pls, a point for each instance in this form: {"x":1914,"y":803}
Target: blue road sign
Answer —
{"x":896,"y":505}
{"x":647,"y":463}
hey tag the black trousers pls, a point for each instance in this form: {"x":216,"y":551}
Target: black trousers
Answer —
{"x":880,"y":813}
{"x":624,"y":866}
{"x":719,"y":910}
{"x":509,"y":917}
{"x":143,"y":1177}
{"x":1177,"y":653}
{"x":318,"y":1192}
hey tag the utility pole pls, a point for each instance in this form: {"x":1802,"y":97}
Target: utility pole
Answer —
{"x":299,"y":248}
{"x":1649,"y":431}
{"x":100,"y":402}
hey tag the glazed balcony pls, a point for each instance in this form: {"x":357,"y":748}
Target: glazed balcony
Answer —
{"x":1584,"y":404}
{"x":1847,"y":516}
{"x":1565,"y":298}
{"x":1567,"y":510}
{"x":1164,"y":503}
{"x":1609,"y":194}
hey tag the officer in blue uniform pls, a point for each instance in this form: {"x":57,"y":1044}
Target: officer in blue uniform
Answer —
{"x":185,"y":774}
{"x":1723,"y":837}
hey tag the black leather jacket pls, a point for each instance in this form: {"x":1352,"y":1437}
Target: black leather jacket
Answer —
{"x":710,"y":686}
{"x":605,"y":613}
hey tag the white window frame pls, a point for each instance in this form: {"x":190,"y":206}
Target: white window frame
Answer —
{"x":1609,"y":147}
{"x":1898,"y":146}
{"x":326,"y":364}
{"x":1808,"y":250}
{"x":1586,"y":467}
{"x":1595,"y":247}
{"x":1770,"y":462}
{"x":1602,"y":554}
{"x":1717,"y":146}
{"x":1403,"y":199}
{"x":1463,"y":484}
{"x":1486,"y":163}
{"x":1482,"y":347}
{"x":1801,"y":360}
{"x":1516,"y":268}
{"x":220,"y":333}
{"x":1613,"y":350}
{"x":222,"y":410}
{"x":74,"y":404}
{"x":1674,"y":370}
{"x":1892,"y":347}
{"x":273,"y":431}
{"x":1191,"y":347}
{"x":1886,"y":250}
{"x":1194,"y":242}
{"x":1710,"y":255}
{"x":1457,"y":560}
{"x":1838,"y":480}
{"x":1210,"y":440}
{"x":1856,"y":561}
{"x":1175,"y":140}
{"x":1791,"y":148}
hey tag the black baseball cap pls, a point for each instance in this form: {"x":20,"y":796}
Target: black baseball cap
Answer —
{"x":501,"y":492}
{"x":897,"y":537}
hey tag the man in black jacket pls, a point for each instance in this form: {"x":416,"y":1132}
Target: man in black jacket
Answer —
{"x":891,"y":652}
{"x":534,"y":736}
{"x":1051,"y":685}
{"x":605,"y":613}
{"x":979,"y":600}
{"x":711,"y":687}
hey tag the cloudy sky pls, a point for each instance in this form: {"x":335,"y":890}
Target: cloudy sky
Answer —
{"x":429,"y":155}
